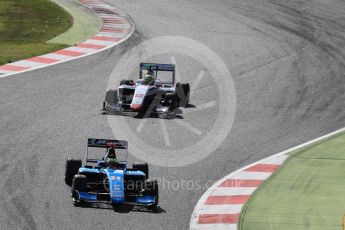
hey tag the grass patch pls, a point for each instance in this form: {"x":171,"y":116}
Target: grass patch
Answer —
{"x":85,"y":24}
{"x":306,"y":193}
{"x":25,"y":26}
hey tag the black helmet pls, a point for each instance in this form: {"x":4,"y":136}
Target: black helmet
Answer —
{"x":149,"y":72}
{"x":111,"y":153}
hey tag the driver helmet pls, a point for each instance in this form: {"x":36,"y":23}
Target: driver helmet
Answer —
{"x":148,"y":79}
{"x":111,"y":153}
{"x":112,"y":163}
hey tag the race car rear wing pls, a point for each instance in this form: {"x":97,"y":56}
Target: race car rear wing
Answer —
{"x":105,"y":143}
{"x":158,"y":67}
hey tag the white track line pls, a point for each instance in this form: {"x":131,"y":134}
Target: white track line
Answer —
{"x":218,"y":227}
{"x":221,"y":209}
{"x":232,"y":191}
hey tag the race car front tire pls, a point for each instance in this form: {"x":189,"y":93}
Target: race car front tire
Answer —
{"x":111,"y":98}
{"x":72,"y":168}
{"x":79,"y":183}
{"x":142,"y":166}
{"x":151,"y":188}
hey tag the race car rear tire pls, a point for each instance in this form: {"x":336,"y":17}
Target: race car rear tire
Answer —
{"x":183,"y":94}
{"x":151,"y":188}
{"x":123,"y":82}
{"x":79,"y":183}
{"x":142,"y":166}
{"x":72,"y":168}
{"x":126,"y":82}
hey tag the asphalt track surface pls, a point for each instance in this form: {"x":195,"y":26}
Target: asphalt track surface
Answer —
{"x":287,"y":62}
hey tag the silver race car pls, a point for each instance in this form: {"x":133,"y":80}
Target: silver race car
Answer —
{"x":154,"y":92}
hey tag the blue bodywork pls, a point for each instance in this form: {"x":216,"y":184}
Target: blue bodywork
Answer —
{"x":98,"y":182}
{"x":116,"y":185}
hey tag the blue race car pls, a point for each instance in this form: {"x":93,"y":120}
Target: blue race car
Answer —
{"x":108,"y":179}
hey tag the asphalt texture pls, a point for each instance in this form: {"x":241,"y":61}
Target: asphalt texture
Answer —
{"x":287,"y":63}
